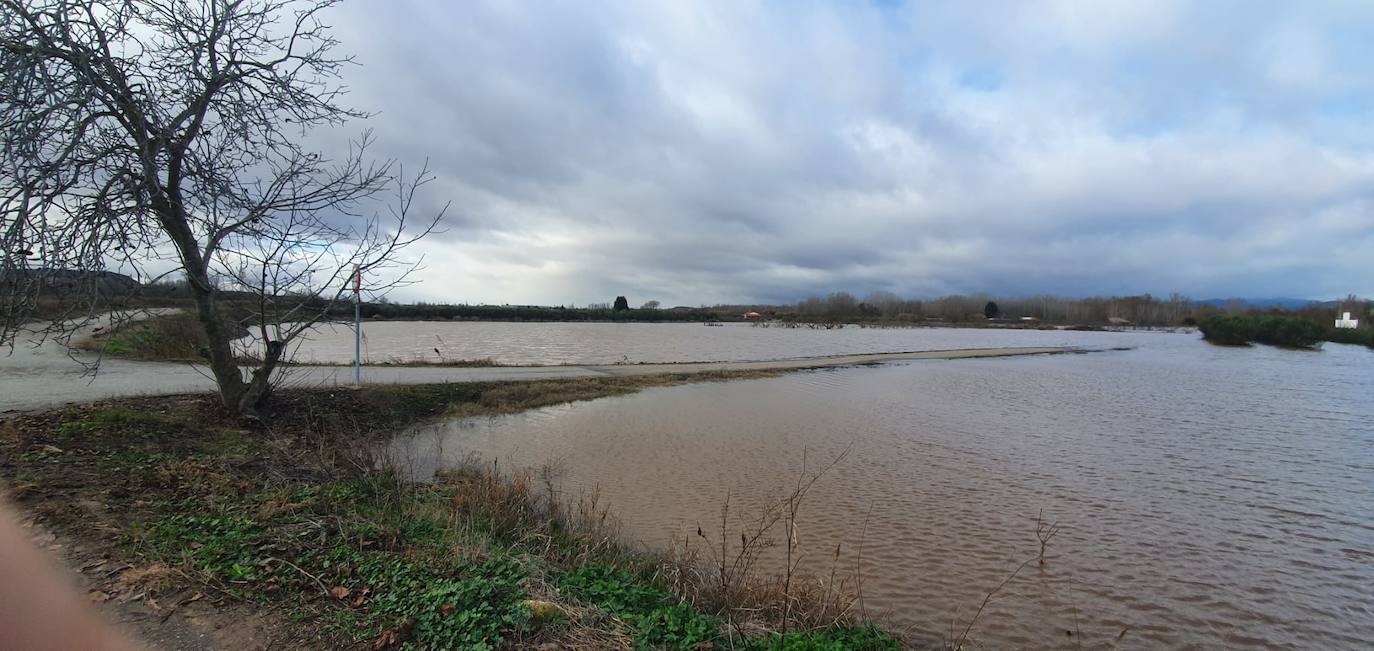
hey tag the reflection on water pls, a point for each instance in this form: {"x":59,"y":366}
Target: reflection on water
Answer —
{"x":613,"y":343}
{"x":1207,"y":496}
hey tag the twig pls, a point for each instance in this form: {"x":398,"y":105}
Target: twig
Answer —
{"x":859,"y":563}
{"x":317,"y":580}
{"x":963,"y":637}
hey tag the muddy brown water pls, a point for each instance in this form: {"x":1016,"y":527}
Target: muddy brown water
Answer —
{"x":634,"y":343}
{"x":1207,"y":497}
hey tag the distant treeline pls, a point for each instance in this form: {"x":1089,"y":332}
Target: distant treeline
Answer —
{"x":842,"y":307}
{"x":433,"y":311}
{"x":1144,"y":310}
{"x":169,"y":292}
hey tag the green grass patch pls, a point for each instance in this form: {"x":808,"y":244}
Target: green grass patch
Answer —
{"x":835,"y":638}
{"x":658,"y":619}
{"x":113,"y":418}
{"x":175,"y":336}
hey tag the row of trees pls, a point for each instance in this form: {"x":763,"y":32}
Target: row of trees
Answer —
{"x":1145,"y":310}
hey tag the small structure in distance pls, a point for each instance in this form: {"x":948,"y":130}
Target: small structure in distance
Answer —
{"x":1346,"y":322}
{"x":752,"y":315}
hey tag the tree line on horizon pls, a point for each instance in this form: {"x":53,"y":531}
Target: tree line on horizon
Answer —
{"x":1144,"y":310}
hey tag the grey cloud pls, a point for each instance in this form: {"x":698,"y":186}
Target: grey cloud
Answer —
{"x":736,"y":151}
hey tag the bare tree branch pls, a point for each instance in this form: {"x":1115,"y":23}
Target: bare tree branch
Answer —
{"x":134,"y":133}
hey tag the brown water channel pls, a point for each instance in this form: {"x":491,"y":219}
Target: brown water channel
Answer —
{"x":1207,"y":496}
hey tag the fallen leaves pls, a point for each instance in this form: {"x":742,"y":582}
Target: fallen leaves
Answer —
{"x":394,"y":636}
{"x":339,"y":592}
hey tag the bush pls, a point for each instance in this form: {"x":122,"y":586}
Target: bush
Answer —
{"x":1226,"y":330}
{"x":1286,"y":331}
{"x":1357,"y":336}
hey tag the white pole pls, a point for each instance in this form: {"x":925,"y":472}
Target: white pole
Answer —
{"x":357,"y":326}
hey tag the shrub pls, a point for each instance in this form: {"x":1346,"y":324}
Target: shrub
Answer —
{"x":1226,"y":330}
{"x":1287,"y":331}
{"x":1357,"y":336}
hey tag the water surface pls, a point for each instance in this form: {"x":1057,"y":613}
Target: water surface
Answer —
{"x":1208,"y":497}
{"x":611,"y":343}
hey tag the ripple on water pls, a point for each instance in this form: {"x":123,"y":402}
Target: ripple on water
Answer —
{"x":1206,"y":497}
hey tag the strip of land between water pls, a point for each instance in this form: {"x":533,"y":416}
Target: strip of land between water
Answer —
{"x":43,"y":377}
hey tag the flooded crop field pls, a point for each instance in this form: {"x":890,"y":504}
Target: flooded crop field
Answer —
{"x":633,"y":343}
{"x":1206,"y":496}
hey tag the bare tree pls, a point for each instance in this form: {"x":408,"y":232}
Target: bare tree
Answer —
{"x":157,"y":134}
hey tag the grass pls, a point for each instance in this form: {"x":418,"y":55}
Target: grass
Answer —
{"x":171,"y":337}
{"x":306,"y":518}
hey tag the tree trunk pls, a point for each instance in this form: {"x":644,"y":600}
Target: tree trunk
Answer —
{"x":261,"y":382}
{"x":232,"y":388}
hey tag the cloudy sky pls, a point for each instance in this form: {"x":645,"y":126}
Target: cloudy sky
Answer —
{"x":738,"y":151}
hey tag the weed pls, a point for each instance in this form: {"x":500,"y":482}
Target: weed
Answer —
{"x":225,"y":548}
{"x":472,"y":608}
{"x":834,"y":638}
{"x":658,"y":618}
{"x":111,"y":418}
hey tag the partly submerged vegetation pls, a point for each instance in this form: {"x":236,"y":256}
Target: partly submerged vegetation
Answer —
{"x":1286,"y":331}
{"x":306,"y":518}
{"x":175,"y":336}
{"x":1358,"y":336}
{"x":170,"y":336}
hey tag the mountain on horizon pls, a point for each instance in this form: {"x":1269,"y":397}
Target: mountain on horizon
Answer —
{"x":1262,"y":303}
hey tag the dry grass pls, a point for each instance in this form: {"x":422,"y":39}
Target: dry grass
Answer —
{"x":151,"y":579}
{"x":11,"y":436}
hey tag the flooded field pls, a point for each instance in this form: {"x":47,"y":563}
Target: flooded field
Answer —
{"x":632,"y":343}
{"x":1207,"y":497}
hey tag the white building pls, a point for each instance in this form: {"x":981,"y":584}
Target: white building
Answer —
{"x":1346,"y":322}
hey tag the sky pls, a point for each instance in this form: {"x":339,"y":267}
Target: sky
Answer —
{"x":702,"y":152}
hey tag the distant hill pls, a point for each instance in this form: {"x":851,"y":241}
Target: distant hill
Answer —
{"x":1262,"y":303}
{"x":70,"y":280}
